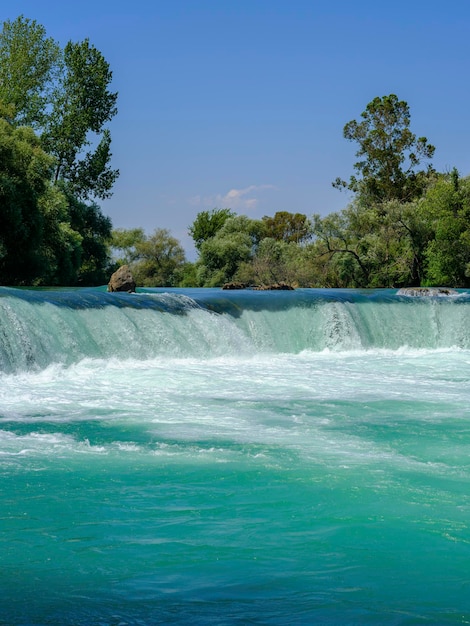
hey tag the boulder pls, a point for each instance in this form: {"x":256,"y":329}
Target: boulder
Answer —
{"x":122,"y":280}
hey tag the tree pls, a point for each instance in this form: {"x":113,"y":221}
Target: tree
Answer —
{"x":233,"y":244}
{"x":61,"y":246}
{"x":160,"y":260}
{"x":365,"y":247}
{"x":65,"y":95}
{"x":207,"y":224}
{"x":82,"y":105}
{"x":47,"y":235}
{"x":29,"y":64}
{"x":124,"y":244}
{"x":340,"y":243}
{"x":25,"y":171}
{"x":275,"y":261}
{"x":94,"y":228}
{"x":446,"y":207}
{"x":288,"y":227}
{"x":389,"y":153}
{"x":52,"y":230}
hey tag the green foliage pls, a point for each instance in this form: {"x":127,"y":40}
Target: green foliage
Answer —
{"x":207,"y":223}
{"x":187,"y":275}
{"x":367,"y":246}
{"x":82,"y":104}
{"x":51,"y":230}
{"x":288,"y":227}
{"x":61,"y":246}
{"x":25,"y":171}
{"x":94,"y":229}
{"x":405,"y":226}
{"x":46,"y":236}
{"x":157,"y":260}
{"x":221,"y":257}
{"x":222,"y":254}
{"x":65,"y":95}
{"x":446,"y":206}
{"x":338,"y":242}
{"x":389,"y":153}
{"x":272,"y":263}
{"x":29,"y":63}
{"x":160,"y":260}
{"x":124,"y":244}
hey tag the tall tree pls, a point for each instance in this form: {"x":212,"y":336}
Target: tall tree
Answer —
{"x":29,"y":64}
{"x":83,"y":104}
{"x":65,"y":95}
{"x":389,"y":153}
{"x":53,"y":235}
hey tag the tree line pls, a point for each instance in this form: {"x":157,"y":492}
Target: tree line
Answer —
{"x":404,"y":224}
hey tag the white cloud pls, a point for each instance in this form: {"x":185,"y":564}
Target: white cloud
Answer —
{"x":246,"y":199}
{"x":196,"y":200}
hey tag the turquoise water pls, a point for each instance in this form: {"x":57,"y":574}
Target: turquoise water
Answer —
{"x":198,"y":457}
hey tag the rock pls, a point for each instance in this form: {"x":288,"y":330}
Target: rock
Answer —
{"x":275,"y":286}
{"x":282,"y":287}
{"x":122,"y":280}
{"x":426,"y":291}
{"x":234,"y":286}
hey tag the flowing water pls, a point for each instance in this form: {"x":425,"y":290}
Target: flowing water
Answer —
{"x":206,"y":457}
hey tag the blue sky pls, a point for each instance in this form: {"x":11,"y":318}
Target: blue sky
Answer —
{"x":241,"y":104}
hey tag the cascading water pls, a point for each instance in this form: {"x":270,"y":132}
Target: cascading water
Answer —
{"x":205,"y":457}
{"x":41,"y":328}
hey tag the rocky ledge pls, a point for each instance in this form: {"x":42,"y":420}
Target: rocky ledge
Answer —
{"x":274,"y":286}
{"x":234,"y":286}
{"x":426,"y":291}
